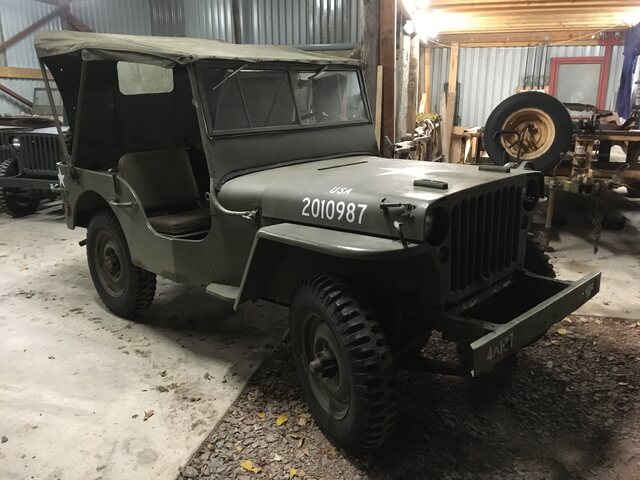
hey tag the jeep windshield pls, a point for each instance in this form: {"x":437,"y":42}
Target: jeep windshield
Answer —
{"x":244,"y":98}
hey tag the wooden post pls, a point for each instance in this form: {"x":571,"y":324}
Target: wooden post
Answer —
{"x":388,"y":14}
{"x":378,"y":111}
{"x":427,"y":78}
{"x":412,"y":87}
{"x":370,"y":43}
{"x":451,"y":101}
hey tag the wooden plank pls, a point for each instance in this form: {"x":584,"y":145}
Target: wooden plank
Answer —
{"x":453,"y":67}
{"x":378,"y":117}
{"x":19,"y":72}
{"x":427,"y":79}
{"x":412,"y":85}
{"x":388,"y":14}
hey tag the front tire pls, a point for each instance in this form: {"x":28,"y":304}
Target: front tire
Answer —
{"x":17,"y":202}
{"x":536,"y":259}
{"x":125,"y":289}
{"x":344,"y":364}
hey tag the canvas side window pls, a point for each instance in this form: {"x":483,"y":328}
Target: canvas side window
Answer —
{"x":140,"y":79}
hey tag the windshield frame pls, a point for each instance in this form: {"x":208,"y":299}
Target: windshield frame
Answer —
{"x":290,"y":69}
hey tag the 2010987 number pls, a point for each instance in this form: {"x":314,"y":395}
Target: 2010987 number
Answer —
{"x":349,"y":212}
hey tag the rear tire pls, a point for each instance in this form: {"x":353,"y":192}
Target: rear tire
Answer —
{"x":125,"y":289}
{"x":633,"y":190}
{"x":551,"y":136}
{"x":17,"y":202}
{"x":344,"y":365}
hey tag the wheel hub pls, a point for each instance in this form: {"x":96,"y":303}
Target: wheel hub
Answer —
{"x":324,"y":365}
{"x":530,"y":133}
{"x":112,"y":263}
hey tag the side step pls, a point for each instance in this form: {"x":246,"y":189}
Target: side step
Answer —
{"x":226,"y":293}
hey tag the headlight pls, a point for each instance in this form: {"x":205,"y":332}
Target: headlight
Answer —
{"x":428,"y":225}
{"x":531,"y":195}
{"x":436,"y":226}
{"x":15,"y":142}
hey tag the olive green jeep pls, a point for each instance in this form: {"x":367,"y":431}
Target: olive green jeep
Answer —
{"x":253,"y":171}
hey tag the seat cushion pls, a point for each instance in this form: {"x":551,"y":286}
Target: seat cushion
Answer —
{"x":162,"y":179}
{"x":182,"y":223}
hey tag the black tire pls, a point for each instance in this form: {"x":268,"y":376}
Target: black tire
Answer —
{"x":16,"y":202}
{"x":544,"y":155}
{"x":355,"y":401}
{"x":536,"y":260}
{"x":125,"y":289}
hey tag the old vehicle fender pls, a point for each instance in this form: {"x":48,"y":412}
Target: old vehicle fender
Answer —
{"x":294,"y":252}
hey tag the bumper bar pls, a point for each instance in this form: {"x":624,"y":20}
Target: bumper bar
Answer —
{"x":556,"y":300}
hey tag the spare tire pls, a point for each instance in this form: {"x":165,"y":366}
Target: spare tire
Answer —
{"x":541,"y":126}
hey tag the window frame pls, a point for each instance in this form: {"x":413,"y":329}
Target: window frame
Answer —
{"x":289,"y":69}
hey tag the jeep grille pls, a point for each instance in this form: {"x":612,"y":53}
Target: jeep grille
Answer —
{"x":484,"y":236}
{"x":39,"y":154}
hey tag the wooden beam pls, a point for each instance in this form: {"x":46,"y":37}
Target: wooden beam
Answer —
{"x":15,"y":95}
{"x":388,"y":17}
{"x":412,"y":84}
{"x":523,"y":38}
{"x":19,"y":72}
{"x":33,"y":27}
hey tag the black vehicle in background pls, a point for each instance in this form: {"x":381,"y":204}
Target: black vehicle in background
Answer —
{"x":29,"y":151}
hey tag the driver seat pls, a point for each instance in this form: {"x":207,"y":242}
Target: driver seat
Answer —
{"x":167,"y":189}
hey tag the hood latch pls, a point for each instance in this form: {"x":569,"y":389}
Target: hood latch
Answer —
{"x":386,"y":206}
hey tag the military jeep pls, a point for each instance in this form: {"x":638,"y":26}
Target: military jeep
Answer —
{"x":253,"y":171}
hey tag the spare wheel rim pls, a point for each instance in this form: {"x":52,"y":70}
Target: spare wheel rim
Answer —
{"x":536,"y":134}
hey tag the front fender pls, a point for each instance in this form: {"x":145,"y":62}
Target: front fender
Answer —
{"x":272,"y":243}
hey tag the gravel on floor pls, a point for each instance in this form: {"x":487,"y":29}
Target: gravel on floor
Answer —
{"x":572,"y":411}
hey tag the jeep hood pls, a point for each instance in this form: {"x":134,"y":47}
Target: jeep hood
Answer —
{"x":347,"y":193}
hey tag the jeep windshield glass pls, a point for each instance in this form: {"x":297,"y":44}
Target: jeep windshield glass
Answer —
{"x":275,"y":98}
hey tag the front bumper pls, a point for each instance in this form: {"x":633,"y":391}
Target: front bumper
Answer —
{"x":536,"y":303}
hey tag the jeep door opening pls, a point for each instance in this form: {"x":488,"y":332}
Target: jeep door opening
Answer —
{"x":253,"y":171}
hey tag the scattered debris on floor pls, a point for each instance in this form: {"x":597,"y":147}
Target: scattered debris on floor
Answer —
{"x":573,"y":411}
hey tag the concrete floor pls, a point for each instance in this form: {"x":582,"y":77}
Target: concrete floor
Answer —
{"x":76,"y":381}
{"x":618,"y":257}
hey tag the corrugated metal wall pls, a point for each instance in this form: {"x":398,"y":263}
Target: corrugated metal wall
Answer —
{"x":301,"y":22}
{"x":489,"y":75}
{"x":15,"y":16}
{"x":209,"y":19}
{"x":289,"y":22}
{"x":115,"y":16}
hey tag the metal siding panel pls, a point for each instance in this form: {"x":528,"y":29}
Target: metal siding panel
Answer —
{"x":302,"y":22}
{"x":614,"y":77}
{"x":22,"y":87}
{"x":16,"y":15}
{"x":489,"y":75}
{"x":115,"y":16}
